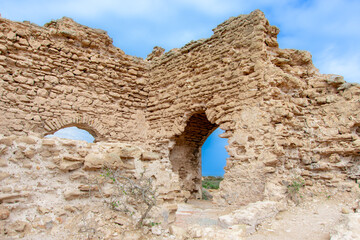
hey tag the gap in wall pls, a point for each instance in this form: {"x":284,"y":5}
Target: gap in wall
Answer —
{"x":73,"y":133}
{"x":213,"y":161}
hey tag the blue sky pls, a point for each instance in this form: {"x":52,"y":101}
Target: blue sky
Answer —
{"x":214,"y":154}
{"x":73,"y":133}
{"x":329,"y":29}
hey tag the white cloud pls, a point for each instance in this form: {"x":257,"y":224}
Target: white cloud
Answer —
{"x":346,"y":64}
{"x":309,"y":25}
{"x":328,"y":29}
{"x":38,"y":10}
{"x":73,"y":133}
{"x":179,"y":39}
{"x":211,"y":7}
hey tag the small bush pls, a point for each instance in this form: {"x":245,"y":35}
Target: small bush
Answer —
{"x":131,"y":194}
{"x":211,"y":182}
{"x":206,"y":195}
{"x":294,"y":188}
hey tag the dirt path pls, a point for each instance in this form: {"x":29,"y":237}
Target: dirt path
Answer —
{"x":201,"y":212}
{"x":313,"y":219}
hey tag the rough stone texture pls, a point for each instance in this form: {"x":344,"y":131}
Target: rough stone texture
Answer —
{"x":66,"y":74}
{"x":4,"y":213}
{"x":52,"y":189}
{"x":251,"y":216}
{"x":349,"y":230}
{"x":282,"y":118}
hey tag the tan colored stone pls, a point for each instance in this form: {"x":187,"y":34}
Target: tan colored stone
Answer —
{"x":29,"y":153}
{"x":48,"y":142}
{"x":345,"y":210}
{"x":93,"y":162}
{"x":87,"y":188}
{"x":14,"y":197}
{"x":129,"y":152}
{"x":4,"y":175}
{"x":42,"y":92}
{"x":42,"y":210}
{"x":27,"y":140}
{"x":51,"y":79}
{"x":19,"y":226}
{"x":113,"y":159}
{"x":179,"y":232}
{"x":72,"y":158}
{"x":8,"y":141}
{"x":6,"y":189}
{"x":150,"y":156}
{"x":3,"y":162}
{"x":82,"y":152}
{"x":4,"y":213}
{"x":74,"y":194}
{"x":120,"y":220}
{"x":20,"y":79}
{"x":70,"y":165}
{"x":252,"y":215}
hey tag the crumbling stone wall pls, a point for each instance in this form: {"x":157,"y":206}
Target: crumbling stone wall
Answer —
{"x":282,"y":118}
{"x":280,"y":115}
{"x":65,"y":74}
{"x":50,"y":186}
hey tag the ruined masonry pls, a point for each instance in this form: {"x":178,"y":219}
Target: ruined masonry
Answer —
{"x":282,"y":118}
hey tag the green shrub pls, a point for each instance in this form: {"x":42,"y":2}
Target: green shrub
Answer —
{"x":295,"y":185}
{"x":211,"y":182}
{"x":294,"y":188}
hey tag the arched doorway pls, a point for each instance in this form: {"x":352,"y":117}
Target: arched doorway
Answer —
{"x":185,"y":157}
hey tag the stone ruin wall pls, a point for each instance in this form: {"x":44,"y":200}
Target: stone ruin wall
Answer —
{"x":65,"y":74}
{"x":49,"y":186}
{"x":282,"y":118}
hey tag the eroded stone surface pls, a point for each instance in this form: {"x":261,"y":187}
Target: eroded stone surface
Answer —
{"x":349,"y":229}
{"x":251,"y":216}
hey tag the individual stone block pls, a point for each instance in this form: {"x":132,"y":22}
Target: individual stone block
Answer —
{"x":150,"y":156}
{"x":70,"y":165}
{"x":4,"y":213}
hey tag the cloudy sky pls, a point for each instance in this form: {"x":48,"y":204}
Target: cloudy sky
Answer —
{"x":73,"y":133}
{"x":329,"y":29}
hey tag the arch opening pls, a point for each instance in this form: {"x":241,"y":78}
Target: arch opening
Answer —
{"x":214,"y":154}
{"x":185,"y":156}
{"x":73,"y":133}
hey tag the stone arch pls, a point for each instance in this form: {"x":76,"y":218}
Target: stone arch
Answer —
{"x":85,"y":122}
{"x":185,"y":156}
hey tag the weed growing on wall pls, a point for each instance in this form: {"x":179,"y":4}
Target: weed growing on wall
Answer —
{"x":294,"y":188}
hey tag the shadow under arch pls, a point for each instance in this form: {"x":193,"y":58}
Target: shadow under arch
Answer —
{"x":185,"y":157}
